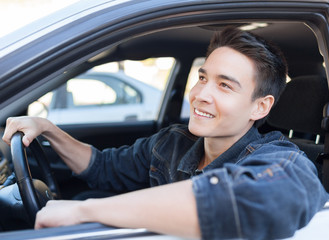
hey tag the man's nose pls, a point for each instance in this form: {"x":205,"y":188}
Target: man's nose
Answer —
{"x":206,"y":93}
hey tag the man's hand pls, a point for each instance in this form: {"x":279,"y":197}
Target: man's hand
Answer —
{"x":30,"y":126}
{"x":74,"y":153}
{"x":58,"y":213}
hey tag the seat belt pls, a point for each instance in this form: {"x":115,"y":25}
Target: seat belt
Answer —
{"x":323,"y":158}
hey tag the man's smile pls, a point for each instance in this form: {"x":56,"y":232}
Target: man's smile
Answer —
{"x":203,"y":114}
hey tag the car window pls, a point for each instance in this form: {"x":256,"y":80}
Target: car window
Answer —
{"x":112,"y":92}
{"x":87,"y":92}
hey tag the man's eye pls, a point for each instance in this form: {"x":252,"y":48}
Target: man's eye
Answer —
{"x":202,"y":78}
{"x":224,"y":85}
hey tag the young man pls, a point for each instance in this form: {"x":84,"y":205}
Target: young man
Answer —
{"x":228,"y":180}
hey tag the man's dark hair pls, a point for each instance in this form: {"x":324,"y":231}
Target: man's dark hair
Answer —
{"x":271,"y":66}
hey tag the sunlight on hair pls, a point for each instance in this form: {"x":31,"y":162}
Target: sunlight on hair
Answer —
{"x":253,"y":26}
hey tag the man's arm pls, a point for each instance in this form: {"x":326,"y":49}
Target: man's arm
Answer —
{"x":74,"y":153}
{"x":269,"y":196}
{"x":169,"y":209}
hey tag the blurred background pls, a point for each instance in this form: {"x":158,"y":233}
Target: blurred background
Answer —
{"x":16,"y":13}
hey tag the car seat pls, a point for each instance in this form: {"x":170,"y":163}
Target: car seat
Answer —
{"x":299,"y":113}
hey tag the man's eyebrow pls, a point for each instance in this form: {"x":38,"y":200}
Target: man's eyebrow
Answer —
{"x":231,"y":79}
{"x":222,"y":76}
{"x":202,"y":70}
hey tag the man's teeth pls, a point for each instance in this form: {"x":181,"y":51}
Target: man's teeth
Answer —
{"x":203,"y":114}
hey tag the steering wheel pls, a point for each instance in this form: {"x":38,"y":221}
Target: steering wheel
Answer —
{"x":34,"y":193}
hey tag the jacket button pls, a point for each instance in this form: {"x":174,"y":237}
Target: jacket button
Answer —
{"x":214,"y":180}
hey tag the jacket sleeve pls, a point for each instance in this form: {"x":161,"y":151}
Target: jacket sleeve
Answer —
{"x":268,"y":195}
{"x":121,"y":169}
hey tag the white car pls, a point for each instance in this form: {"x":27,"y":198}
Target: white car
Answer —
{"x":101,"y":97}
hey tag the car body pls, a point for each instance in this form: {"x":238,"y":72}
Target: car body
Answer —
{"x":44,"y":55}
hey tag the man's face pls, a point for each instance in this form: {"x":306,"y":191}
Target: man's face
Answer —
{"x":221,"y":101}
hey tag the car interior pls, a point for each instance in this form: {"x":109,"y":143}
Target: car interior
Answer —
{"x":298,"y":113}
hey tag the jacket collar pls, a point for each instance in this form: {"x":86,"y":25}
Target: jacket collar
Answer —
{"x":189,"y":163}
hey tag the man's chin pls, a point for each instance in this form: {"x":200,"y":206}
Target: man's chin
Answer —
{"x":196,"y":130}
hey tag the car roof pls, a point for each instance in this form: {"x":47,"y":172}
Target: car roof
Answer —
{"x":85,"y":8}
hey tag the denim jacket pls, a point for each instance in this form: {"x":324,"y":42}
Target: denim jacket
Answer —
{"x":263,"y":187}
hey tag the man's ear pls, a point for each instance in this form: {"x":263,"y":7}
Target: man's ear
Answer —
{"x":263,"y":106}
